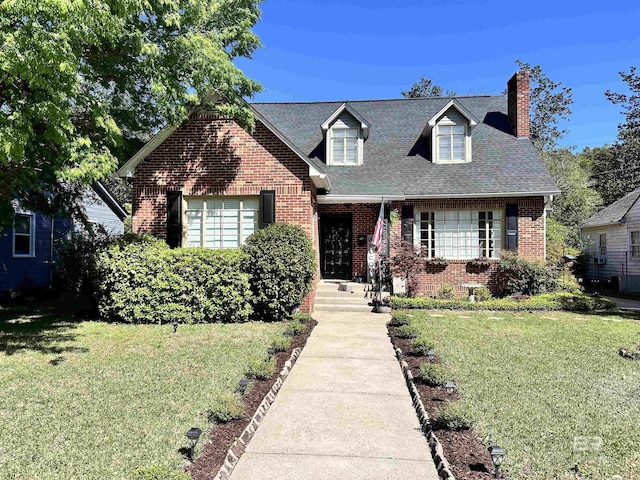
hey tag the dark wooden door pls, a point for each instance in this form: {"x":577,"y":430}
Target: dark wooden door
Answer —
{"x":335,"y":246}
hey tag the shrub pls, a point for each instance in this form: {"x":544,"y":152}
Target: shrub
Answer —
{"x":446,"y":291}
{"x":280,"y":261}
{"x":398,"y":319}
{"x":295,"y":328}
{"x":146,"y":282}
{"x":226,"y":407}
{"x":281,"y":343}
{"x":261,"y":369}
{"x":420,"y":346}
{"x":434,"y":374}
{"x":156,"y":472}
{"x":406,"y":331}
{"x":301,"y":317}
{"x":452,"y":417}
{"x":525,"y":276}
{"x":481,"y":294}
{"x":407,"y":263}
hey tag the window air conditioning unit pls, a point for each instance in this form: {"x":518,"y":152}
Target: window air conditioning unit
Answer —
{"x":599,"y":260}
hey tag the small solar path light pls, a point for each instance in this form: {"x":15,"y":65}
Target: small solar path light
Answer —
{"x":450,"y":387}
{"x":431,"y":356}
{"x":242,"y":385}
{"x":193,"y":435}
{"x":497,"y":456}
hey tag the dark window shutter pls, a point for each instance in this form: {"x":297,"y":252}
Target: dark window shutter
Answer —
{"x":174,"y":218}
{"x":267,"y":207}
{"x":407,"y":223}
{"x":511,"y":242}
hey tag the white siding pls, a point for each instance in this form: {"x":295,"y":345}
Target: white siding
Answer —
{"x":452,"y":116}
{"x":632,"y":223}
{"x":98,"y":212}
{"x":616,"y":263}
{"x":346,"y":120}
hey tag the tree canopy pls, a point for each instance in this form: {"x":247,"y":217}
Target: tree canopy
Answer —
{"x":82,"y":82}
{"x":426,"y":88}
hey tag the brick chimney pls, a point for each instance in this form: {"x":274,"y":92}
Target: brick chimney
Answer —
{"x":518,"y":103}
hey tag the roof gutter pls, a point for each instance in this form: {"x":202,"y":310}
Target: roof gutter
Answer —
{"x":619,"y":223}
{"x":330,"y":199}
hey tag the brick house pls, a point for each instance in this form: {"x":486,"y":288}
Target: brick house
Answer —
{"x":461,"y":173}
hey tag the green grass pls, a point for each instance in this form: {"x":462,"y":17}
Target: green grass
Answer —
{"x":534,"y":381}
{"x":91,"y":400}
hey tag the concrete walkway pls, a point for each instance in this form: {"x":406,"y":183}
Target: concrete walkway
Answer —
{"x":344,"y":412}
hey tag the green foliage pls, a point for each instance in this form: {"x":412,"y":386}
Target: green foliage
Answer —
{"x":406,"y":331}
{"x":453,"y":417}
{"x":146,"y":282}
{"x":560,"y":241}
{"x":524,"y":276}
{"x":547,"y":301}
{"x":481,"y":294}
{"x":84,"y":82}
{"x":301,"y":317}
{"x":407,"y":263}
{"x":262,"y":369}
{"x":550,"y":103}
{"x":434,"y":374}
{"x":446,"y":292}
{"x":426,"y":88}
{"x":420,"y":346}
{"x":282,"y":343}
{"x":295,"y":328}
{"x":280,"y":261}
{"x":398,"y":319}
{"x":226,"y":407}
{"x":156,"y":472}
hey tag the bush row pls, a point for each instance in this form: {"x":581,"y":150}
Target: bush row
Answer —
{"x":547,"y":301}
{"x":141,"y":280}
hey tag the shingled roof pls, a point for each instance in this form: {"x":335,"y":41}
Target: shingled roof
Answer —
{"x":615,"y":212}
{"x":397,"y":158}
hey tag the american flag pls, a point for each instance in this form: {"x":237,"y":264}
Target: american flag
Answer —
{"x":377,"y":233}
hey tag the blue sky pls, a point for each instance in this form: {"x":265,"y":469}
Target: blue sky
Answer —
{"x":370,"y":49}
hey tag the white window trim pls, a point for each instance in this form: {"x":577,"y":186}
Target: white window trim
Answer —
{"x":32,"y":236}
{"x":434,"y":143}
{"x":329,"y":150}
{"x":598,"y":250}
{"x":205,"y":198}
{"x":631,"y":244}
{"x":416,"y":230}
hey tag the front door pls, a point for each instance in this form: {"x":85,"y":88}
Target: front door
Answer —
{"x":335,"y":246}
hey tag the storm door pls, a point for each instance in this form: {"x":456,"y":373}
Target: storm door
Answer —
{"x":335,"y":246}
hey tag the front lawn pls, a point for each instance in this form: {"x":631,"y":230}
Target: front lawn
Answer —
{"x":550,"y":388}
{"x":93,"y":400}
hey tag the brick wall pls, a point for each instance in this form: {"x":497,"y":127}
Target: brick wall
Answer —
{"x":210,"y":155}
{"x":530,"y":236}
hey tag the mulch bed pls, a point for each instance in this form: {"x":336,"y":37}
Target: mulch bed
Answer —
{"x":464,"y":450}
{"x":206,"y":466}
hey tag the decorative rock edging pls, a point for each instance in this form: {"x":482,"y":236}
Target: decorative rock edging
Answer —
{"x":442,"y":465}
{"x":238,"y":447}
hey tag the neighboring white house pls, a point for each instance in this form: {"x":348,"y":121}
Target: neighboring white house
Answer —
{"x":103,"y":209}
{"x":612,"y":239}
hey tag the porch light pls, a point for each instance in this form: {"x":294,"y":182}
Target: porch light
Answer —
{"x":242,"y":384}
{"x":193,"y":435}
{"x":431,"y":356}
{"x":497,"y":456}
{"x":450,"y":387}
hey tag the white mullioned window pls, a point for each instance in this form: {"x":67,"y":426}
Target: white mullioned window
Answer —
{"x":602,"y":244}
{"x":461,"y":234}
{"x":634,"y":242}
{"x":24,"y":235}
{"x":344,"y":146}
{"x":220,"y":222}
{"x":452,"y":146}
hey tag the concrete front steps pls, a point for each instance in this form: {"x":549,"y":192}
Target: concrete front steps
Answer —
{"x":329,"y":297}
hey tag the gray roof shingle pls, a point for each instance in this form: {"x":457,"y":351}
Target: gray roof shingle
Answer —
{"x":615,"y":212}
{"x":397,"y":159}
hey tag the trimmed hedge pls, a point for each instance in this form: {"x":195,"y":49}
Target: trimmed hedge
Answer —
{"x":146,"y":282}
{"x":281,"y":263}
{"x":547,"y":301}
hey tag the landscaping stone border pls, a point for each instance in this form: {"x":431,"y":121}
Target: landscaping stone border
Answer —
{"x":442,"y":465}
{"x":239,"y":446}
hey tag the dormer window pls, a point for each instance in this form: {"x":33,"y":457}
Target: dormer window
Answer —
{"x":449,"y":132}
{"x":344,"y":146}
{"x":345,"y":132}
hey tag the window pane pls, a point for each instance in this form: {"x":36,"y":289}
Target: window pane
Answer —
{"x":22,"y":224}
{"x":444,"y":129}
{"x":22,"y":245}
{"x":458,"y":130}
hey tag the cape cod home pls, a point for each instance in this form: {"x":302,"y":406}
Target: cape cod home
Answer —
{"x":612,"y":240}
{"x":27,"y":249}
{"x":461,"y":173}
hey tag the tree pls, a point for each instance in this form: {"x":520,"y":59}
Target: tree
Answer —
{"x":426,"y":88}
{"x":82,"y":82}
{"x":549,"y":102}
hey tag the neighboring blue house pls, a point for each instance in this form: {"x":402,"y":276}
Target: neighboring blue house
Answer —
{"x":27,"y":250}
